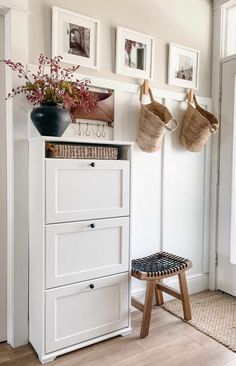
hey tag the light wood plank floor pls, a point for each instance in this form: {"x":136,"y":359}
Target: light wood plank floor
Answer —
{"x":170,"y":342}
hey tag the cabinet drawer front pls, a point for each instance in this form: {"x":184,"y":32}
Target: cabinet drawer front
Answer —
{"x":76,"y":190}
{"x":77,"y":313}
{"x":84,"y":250}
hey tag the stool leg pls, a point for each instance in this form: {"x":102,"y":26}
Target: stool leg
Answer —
{"x":159,"y":296}
{"x":185,"y":296}
{"x":147,"y":308}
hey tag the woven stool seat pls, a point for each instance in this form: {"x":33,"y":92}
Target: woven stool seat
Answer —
{"x":154,"y":268}
{"x":159,"y":265}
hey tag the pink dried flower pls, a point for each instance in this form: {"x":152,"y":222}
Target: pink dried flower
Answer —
{"x":56,"y":86}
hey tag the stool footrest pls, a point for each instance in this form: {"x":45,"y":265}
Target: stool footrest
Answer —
{"x":169,"y":290}
{"x":154,"y":269}
{"x":137,"y":304}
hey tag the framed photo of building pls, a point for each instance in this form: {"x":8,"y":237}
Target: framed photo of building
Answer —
{"x":134,"y":53}
{"x":75,"y":37}
{"x":183,"y":69}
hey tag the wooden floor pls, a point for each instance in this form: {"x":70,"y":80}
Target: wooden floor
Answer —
{"x":170,"y":342}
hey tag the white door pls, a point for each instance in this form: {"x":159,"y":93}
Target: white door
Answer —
{"x":3,"y":213}
{"x":226,"y":271}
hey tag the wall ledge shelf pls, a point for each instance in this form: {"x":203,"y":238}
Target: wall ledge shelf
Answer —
{"x":80,"y":141}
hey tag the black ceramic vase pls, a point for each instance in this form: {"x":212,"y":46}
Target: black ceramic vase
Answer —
{"x":50,"y":119}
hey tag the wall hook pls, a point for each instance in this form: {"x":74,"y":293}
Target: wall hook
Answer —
{"x":145,"y":87}
{"x":190,"y":96}
{"x":79,"y":130}
{"x":87,"y":130}
{"x":103,"y":131}
{"x":98,"y":130}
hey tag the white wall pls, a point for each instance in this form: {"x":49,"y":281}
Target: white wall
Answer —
{"x":187,"y":22}
{"x":170,"y":188}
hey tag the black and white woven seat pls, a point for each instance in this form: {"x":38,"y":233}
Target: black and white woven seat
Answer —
{"x":154,"y":269}
{"x":159,"y":265}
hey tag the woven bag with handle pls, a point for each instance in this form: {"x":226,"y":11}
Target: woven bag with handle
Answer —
{"x":197,"y":127}
{"x":154,"y":118}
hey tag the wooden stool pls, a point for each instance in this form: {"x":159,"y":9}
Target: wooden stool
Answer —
{"x":154,"y":269}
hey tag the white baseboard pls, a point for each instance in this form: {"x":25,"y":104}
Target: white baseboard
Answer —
{"x":196,"y":283}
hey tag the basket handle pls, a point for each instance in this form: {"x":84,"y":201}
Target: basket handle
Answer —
{"x":151,"y":95}
{"x":212,"y":127}
{"x":195,"y":100}
{"x":171,"y":129}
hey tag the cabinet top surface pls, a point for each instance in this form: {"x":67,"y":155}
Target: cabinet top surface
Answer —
{"x":78,"y":140}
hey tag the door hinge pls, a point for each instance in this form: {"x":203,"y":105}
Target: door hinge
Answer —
{"x":216,"y":259}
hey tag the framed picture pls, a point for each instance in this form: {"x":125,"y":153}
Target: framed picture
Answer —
{"x":183,"y":67}
{"x":134,"y":54}
{"x":75,"y":37}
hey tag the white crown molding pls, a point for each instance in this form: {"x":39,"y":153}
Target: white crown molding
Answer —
{"x":223,"y":3}
{"x":14,"y":4}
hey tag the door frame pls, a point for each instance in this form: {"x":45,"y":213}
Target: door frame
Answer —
{"x":219,"y":19}
{"x":3,"y":243}
{"x":227,"y":213}
{"x":16,"y":47}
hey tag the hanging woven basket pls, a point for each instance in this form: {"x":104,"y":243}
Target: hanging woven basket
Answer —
{"x":197,"y":127}
{"x":154,"y":118}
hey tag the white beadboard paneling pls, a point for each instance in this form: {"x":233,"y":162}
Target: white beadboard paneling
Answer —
{"x":170,"y":188}
{"x":146,"y":231}
{"x":146,"y":211}
{"x":186,"y":198}
{"x":182,"y":180}
{"x":196,"y":283}
{"x":128,"y":114}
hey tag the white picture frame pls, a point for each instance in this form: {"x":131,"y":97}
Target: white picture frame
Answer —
{"x":75,"y":37}
{"x":183,"y":66}
{"x":142,"y":52}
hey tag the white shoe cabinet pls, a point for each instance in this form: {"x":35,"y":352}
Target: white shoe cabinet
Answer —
{"x":79,"y":254}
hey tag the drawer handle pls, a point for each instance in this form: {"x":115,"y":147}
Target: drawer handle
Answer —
{"x":92,"y":226}
{"x":92,"y":164}
{"x":92,"y":286}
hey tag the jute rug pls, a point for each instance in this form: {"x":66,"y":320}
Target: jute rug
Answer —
{"x":213,"y":313}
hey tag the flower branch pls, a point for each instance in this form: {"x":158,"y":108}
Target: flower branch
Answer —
{"x":55,"y":86}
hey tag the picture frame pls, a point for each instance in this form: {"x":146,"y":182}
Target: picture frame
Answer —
{"x":75,"y":37}
{"x":183,"y":66}
{"x":134,"y":53}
